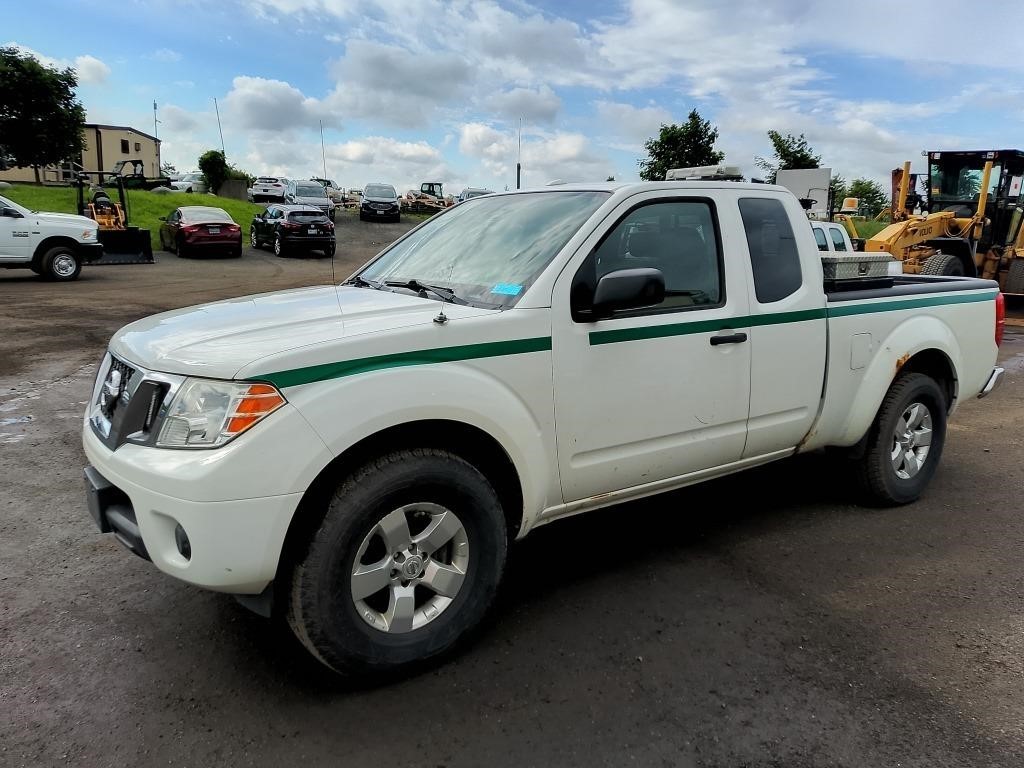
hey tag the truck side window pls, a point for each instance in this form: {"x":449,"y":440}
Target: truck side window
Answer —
{"x":819,"y":236}
{"x":774,"y":257}
{"x":837,"y":238}
{"x":676,"y":237}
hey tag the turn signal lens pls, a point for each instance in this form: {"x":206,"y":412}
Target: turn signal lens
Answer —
{"x":259,"y":401}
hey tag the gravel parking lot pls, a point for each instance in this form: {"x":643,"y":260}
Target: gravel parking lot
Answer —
{"x":758,"y":621}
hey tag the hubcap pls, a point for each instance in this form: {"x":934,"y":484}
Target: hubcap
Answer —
{"x":277,"y":245}
{"x":252,"y":238}
{"x":64,"y":265}
{"x":409,"y":567}
{"x":912,"y":440}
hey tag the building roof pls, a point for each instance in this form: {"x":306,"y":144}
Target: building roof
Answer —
{"x":123,"y":128}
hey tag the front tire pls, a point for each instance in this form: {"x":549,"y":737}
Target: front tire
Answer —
{"x":61,"y":264}
{"x":405,"y":564}
{"x":905,"y":442}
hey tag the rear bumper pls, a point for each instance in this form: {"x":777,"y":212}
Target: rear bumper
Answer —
{"x":89,"y":252}
{"x":308,"y":242}
{"x":215,"y":244}
{"x":994,"y":380}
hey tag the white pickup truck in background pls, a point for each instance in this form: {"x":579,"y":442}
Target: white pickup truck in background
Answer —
{"x":357,"y":457}
{"x":54,"y":245}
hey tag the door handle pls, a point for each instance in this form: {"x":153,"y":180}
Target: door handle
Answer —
{"x":728,"y":338}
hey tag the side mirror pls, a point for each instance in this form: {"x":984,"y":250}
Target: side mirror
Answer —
{"x":627,"y":289}
{"x":10,"y":213}
{"x":163,"y":218}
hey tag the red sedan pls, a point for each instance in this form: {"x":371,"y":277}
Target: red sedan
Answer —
{"x":194,"y":229}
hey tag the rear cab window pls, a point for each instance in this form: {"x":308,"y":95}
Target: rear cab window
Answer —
{"x":820,"y":239}
{"x":774,"y":256}
{"x":837,"y":238}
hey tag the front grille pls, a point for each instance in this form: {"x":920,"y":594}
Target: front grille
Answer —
{"x":127,"y":405}
{"x":382,"y":206}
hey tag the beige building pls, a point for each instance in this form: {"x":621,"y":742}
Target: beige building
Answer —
{"x":104,"y":146}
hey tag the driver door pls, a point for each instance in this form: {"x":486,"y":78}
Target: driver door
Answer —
{"x":649,"y":395}
{"x":14,"y":238}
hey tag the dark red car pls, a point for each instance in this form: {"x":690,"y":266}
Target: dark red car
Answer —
{"x":194,"y":229}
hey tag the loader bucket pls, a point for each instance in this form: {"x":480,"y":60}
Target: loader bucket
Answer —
{"x":125,"y":246}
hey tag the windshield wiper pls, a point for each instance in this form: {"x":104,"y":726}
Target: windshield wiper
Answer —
{"x":447,"y":294}
{"x":362,"y":282}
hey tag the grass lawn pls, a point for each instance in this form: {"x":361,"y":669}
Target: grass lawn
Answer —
{"x":144,"y":208}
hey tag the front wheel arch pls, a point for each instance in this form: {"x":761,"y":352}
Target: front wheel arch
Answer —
{"x":466,"y":441}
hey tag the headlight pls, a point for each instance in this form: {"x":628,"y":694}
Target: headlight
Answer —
{"x":206,"y":413}
{"x":88,"y":234}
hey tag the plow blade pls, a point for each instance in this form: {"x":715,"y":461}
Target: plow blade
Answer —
{"x":125,"y":246}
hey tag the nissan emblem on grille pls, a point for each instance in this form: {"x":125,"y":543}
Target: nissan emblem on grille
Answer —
{"x":111,"y":391}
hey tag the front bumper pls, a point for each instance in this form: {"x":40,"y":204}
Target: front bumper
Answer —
{"x":240,"y":502}
{"x":994,"y":380}
{"x":89,"y":252}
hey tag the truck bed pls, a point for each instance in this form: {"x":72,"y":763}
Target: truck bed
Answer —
{"x":905,"y":285}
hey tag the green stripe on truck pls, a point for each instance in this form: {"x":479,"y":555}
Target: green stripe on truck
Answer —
{"x":298,"y":376}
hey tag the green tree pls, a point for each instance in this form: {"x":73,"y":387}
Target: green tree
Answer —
{"x":873,"y":198}
{"x":214,"y":167}
{"x":680,"y":146}
{"x":837,"y":190}
{"x":791,"y":153}
{"x":41,"y":121}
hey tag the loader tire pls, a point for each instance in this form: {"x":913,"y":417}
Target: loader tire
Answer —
{"x":943,"y":264}
{"x":1015,"y":277}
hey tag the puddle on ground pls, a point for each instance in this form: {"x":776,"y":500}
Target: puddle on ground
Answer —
{"x":16,"y":420}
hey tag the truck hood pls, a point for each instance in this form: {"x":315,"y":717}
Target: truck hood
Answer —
{"x":221,"y":338}
{"x":47,"y":217}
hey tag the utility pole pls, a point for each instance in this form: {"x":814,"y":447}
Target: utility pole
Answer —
{"x":220,"y":130}
{"x":519,"y":156}
{"x":155,"y":121}
{"x":323,"y":150}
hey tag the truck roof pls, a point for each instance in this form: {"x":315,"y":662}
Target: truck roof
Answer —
{"x":642,"y":186}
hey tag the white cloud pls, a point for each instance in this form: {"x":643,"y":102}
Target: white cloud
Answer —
{"x":632,"y":124}
{"x":534,"y":106}
{"x":259,"y":104}
{"x":176,"y":119}
{"x":165,"y":55}
{"x":394,"y":85}
{"x":91,"y":71}
{"x":545,"y":156}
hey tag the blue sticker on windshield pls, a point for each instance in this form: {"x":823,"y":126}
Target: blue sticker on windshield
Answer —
{"x":507,"y":289}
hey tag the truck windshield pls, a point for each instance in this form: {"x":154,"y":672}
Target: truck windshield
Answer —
{"x":490,"y":249}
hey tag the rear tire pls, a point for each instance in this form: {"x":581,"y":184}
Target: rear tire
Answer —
{"x":393,"y":619}
{"x":279,"y":248}
{"x":61,"y":264}
{"x":894,"y":469}
{"x":181,"y":249}
{"x":1015,"y":277}
{"x":254,"y":241}
{"x":943,"y":264}
{"x":329,"y":251}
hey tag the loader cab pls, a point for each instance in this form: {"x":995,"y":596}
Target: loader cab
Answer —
{"x":954,"y":184}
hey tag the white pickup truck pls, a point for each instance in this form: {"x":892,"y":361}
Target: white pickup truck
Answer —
{"x":54,"y":245}
{"x":359,"y":456}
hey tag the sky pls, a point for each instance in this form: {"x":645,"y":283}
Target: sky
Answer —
{"x":424,"y":90}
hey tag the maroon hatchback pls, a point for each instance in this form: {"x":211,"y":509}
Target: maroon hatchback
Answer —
{"x":194,"y":229}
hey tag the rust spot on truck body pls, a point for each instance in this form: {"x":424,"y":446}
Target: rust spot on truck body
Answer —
{"x":902,"y":361}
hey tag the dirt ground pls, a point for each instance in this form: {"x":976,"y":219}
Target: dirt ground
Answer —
{"x":759,"y":621}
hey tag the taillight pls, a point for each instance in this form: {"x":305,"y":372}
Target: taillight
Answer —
{"x":290,"y":225}
{"x":232,"y":227}
{"x":1000,"y":318}
{"x":329,"y":224}
{"x":191,"y":229}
